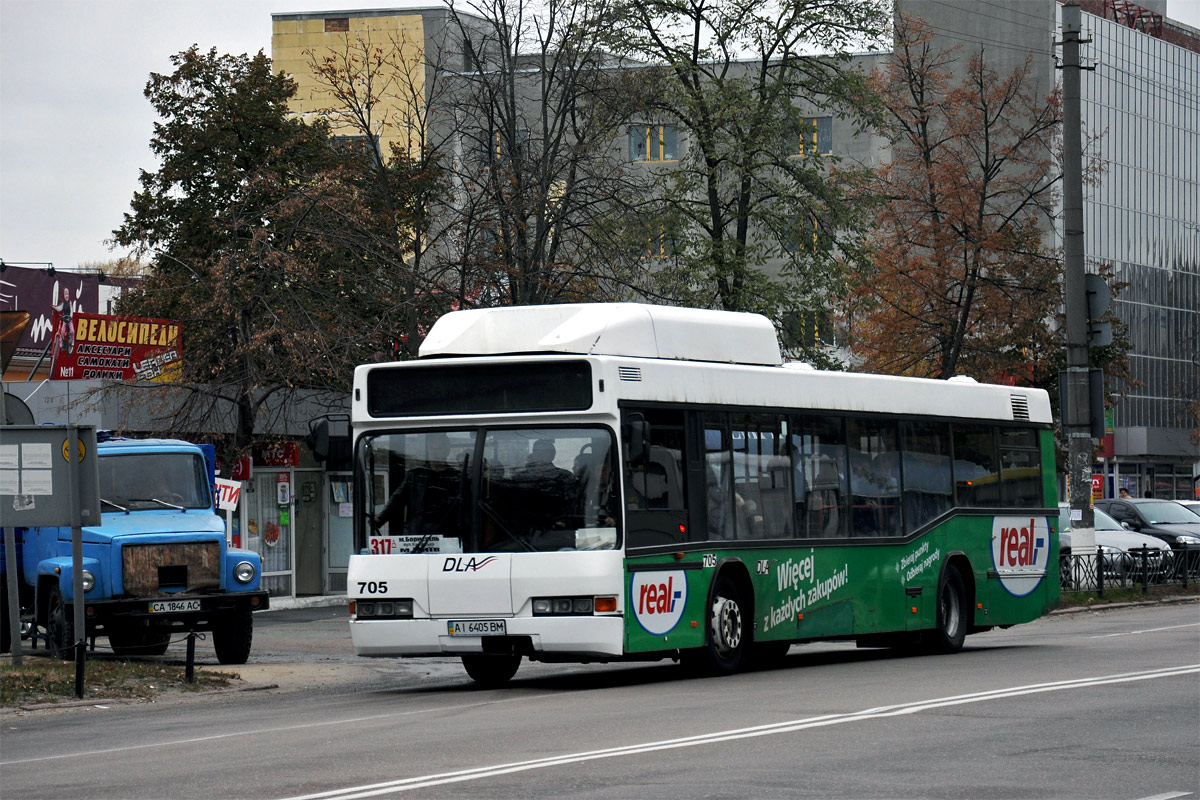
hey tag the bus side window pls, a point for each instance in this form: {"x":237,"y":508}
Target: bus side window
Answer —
{"x":1021,"y":468}
{"x":820,"y":476}
{"x":976,"y":466}
{"x":874,"y":478}
{"x":925,"y":464}
{"x":655,"y":484}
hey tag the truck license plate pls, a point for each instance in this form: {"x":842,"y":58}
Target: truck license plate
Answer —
{"x":173,"y":606}
{"x":476,"y":627}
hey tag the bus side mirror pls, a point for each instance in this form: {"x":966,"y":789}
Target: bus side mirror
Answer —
{"x":637,"y":438}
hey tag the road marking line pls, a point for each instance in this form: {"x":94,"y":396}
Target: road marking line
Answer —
{"x":1147,"y":630}
{"x":475,"y":773}
{"x":261,"y":731}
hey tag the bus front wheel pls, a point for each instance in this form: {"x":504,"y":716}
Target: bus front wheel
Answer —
{"x":491,"y":671}
{"x":727,"y":640}
{"x":951,"y":628}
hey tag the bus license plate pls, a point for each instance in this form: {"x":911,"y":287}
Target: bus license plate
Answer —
{"x":476,"y":627}
{"x":172,"y":606}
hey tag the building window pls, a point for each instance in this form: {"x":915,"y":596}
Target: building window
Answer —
{"x":653,"y":143}
{"x":355,"y":144}
{"x":807,"y":329}
{"x":662,"y":244}
{"x":804,"y":233}
{"x":337,"y":24}
{"x":813,"y":136}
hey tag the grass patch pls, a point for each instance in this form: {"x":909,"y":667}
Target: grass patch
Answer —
{"x":41,"y":679}
{"x":1126,"y":595}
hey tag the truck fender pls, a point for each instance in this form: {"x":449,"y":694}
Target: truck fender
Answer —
{"x":60,"y":570}
{"x":233,"y":557}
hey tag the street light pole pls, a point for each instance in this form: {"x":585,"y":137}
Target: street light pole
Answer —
{"x":1076,"y":410}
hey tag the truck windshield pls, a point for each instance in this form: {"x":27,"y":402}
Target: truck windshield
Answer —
{"x":481,"y":490}
{"x":140,"y":481}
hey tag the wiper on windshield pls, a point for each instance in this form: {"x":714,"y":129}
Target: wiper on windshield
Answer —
{"x":491,"y":512}
{"x":106,"y":501}
{"x":133,"y":500}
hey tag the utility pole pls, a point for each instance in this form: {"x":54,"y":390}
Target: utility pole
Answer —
{"x":1076,"y":409}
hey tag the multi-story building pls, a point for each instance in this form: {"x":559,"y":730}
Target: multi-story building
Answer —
{"x":1141,"y":117}
{"x":392,"y":49}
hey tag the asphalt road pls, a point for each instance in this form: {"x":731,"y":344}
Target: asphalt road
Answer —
{"x":1092,"y":705}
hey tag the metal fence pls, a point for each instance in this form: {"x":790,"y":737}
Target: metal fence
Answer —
{"x":1139,"y":567}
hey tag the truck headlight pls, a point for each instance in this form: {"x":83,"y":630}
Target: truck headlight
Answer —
{"x":244,"y":572}
{"x":89,"y":580}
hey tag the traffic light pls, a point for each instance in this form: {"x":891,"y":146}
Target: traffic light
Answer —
{"x":1098,"y":300}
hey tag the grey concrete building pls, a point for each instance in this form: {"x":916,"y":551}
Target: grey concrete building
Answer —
{"x":1140,"y":99}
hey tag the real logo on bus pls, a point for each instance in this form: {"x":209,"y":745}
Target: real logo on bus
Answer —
{"x":658,"y":599}
{"x":1020,"y":552}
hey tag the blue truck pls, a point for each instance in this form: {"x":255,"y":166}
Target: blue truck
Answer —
{"x":156,"y":567}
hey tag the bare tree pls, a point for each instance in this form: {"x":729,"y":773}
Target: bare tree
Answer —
{"x":541,"y":187}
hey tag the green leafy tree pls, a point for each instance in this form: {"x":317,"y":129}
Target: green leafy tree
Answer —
{"x":757,"y":218}
{"x":232,"y":225}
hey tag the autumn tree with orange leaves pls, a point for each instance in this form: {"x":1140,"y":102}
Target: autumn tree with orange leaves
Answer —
{"x":965,"y":277}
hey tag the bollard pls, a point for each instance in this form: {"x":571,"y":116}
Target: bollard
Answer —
{"x":190,"y":673}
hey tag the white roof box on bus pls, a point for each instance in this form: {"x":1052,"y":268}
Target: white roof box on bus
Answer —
{"x":618,"y":329}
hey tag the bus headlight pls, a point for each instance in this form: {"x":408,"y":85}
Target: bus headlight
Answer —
{"x":244,"y":572}
{"x":572,"y":606}
{"x":384,"y":609}
{"x":89,"y":580}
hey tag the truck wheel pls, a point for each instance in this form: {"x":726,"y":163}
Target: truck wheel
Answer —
{"x":491,"y":672}
{"x":5,"y":633}
{"x":126,"y":642}
{"x":60,"y":627}
{"x":232,"y":637}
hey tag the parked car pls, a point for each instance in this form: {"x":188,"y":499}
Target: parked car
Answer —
{"x":1114,"y":541}
{"x":1191,"y":505}
{"x":1164,"y":519}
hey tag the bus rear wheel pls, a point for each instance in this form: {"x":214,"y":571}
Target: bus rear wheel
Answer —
{"x":491,"y":671}
{"x":951,"y":628}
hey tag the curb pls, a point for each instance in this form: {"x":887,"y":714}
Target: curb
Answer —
{"x":319,"y":601}
{"x":1130,"y":604}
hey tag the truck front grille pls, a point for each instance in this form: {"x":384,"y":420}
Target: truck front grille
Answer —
{"x":150,"y":569}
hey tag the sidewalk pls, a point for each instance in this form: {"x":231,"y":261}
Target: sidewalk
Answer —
{"x":314,"y":601}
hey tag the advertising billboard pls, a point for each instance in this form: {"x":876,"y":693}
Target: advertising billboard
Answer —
{"x":102,"y":347}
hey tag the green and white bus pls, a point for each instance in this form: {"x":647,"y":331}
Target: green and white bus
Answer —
{"x":604,"y":482}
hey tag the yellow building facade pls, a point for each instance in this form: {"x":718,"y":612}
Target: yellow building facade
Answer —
{"x":385,"y":51}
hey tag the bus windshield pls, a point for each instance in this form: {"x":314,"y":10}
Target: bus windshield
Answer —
{"x":491,"y":490}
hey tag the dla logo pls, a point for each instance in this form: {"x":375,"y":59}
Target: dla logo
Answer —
{"x":1020,"y":552}
{"x":658,"y":599}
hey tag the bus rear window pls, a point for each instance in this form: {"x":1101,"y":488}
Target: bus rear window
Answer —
{"x":476,"y":389}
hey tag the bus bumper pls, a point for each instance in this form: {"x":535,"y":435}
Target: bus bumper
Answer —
{"x":598,"y":637}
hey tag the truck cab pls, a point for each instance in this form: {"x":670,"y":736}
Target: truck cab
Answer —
{"x":156,"y":567}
